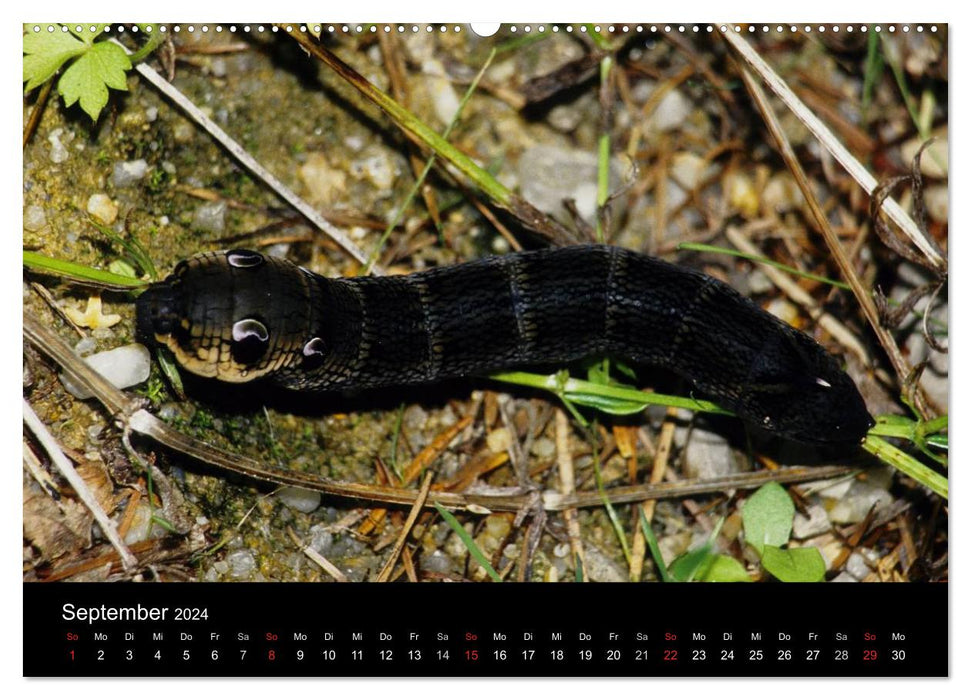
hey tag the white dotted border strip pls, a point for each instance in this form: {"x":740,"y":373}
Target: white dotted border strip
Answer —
{"x":513,"y":28}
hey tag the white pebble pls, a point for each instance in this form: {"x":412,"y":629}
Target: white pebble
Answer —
{"x":102,"y":207}
{"x":933,"y":161}
{"x":815,"y":522}
{"x":34,"y":218}
{"x":302,"y":500}
{"x":499,"y":440}
{"x":377,"y":168}
{"x":210,"y":216}
{"x":242,"y":563}
{"x":543,"y":447}
{"x":86,"y":346}
{"x":218,"y":67}
{"x":325,"y":184}
{"x":688,"y":169}
{"x":125,"y":366}
{"x":857,"y":567}
{"x":550,"y":174}
{"x":858,"y":502}
{"x":127,"y":173}
{"x":671,"y":113}
{"x":58,"y":152}
{"x":707,"y":455}
{"x":445,"y":101}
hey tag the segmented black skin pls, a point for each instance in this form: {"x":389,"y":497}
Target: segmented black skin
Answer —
{"x":538,"y":308}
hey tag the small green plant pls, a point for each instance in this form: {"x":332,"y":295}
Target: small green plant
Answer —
{"x":93,"y":63}
{"x":767,"y":521}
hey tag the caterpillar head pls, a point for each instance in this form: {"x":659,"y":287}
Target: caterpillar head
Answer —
{"x":235,"y":315}
{"x":798,"y":391}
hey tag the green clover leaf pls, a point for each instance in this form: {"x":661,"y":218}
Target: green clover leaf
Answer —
{"x":101,"y":67}
{"x":45,"y":52}
{"x":767,"y":517}
{"x":95,"y":66}
{"x":799,"y":564}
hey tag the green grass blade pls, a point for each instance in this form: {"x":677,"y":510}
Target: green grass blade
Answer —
{"x":81,"y":273}
{"x":705,"y":248}
{"x":608,"y":506}
{"x":903,"y":462}
{"x":655,"y":549}
{"x":468,"y":542}
{"x":135,"y":250}
{"x":411,"y":124}
{"x":617,"y":400}
{"x":428,"y":165}
{"x":872,"y":72}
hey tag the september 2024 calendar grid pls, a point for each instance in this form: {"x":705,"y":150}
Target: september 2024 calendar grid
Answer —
{"x":628,"y":340}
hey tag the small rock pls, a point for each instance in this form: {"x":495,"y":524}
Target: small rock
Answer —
{"x":103,"y":208}
{"x":242,"y":563}
{"x":377,"y":168}
{"x":742,"y":195}
{"x":781,"y":194}
{"x":549,"y":175}
{"x":128,"y":173}
{"x":600,"y":567}
{"x":86,"y":346}
{"x":688,"y":169}
{"x":302,"y":500}
{"x":445,"y":101}
{"x":124,"y":366}
{"x":499,"y":440}
{"x":437,"y":562}
{"x":861,"y":497}
{"x":845,"y":578}
{"x":670,"y":114}
{"x":183,"y":132}
{"x":543,"y":447}
{"x":210,"y":216}
{"x":784,"y":310}
{"x":933,"y":161}
{"x":151,"y":114}
{"x":141,"y":527}
{"x":497,"y":526}
{"x":58,"y":152}
{"x":35,"y":218}
{"x":218,"y":67}
{"x":325,"y":184}
{"x":707,"y":455}
{"x":565,"y":118}
{"x":815,"y":522}
{"x":857,"y":567}
{"x":321,"y":539}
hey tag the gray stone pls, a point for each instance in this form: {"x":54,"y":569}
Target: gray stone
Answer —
{"x":128,"y":173}
{"x":124,"y":366}
{"x":302,"y":500}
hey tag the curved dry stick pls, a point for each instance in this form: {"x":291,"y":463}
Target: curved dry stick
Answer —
{"x":129,"y":413}
{"x":862,"y":294}
{"x":852,"y":166}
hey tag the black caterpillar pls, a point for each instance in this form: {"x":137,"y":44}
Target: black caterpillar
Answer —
{"x":240,"y":315}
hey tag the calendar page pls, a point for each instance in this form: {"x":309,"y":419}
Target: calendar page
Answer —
{"x":607,"y":349}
